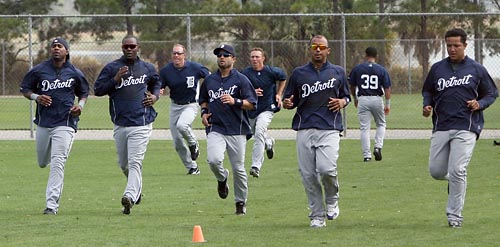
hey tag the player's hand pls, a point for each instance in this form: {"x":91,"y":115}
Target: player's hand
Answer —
{"x":121,"y":72}
{"x":278,"y":100}
{"x":473,"y":105}
{"x":205,"y":119}
{"x":387,"y":109}
{"x":149,"y":99}
{"x":227,"y":99}
{"x":162,"y":91}
{"x":259,"y":92}
{"x":76,"y":110}
{"x":44,"y":100}
{"x":288,"y":103}
{"x":335,"y":104}
{"x":427,"y":110}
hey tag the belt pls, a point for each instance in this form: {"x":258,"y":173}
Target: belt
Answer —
{"x":183,"y":102}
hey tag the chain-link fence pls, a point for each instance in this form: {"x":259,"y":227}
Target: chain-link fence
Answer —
{"x":283,"y":37}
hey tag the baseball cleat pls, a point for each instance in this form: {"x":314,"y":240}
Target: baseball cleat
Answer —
{"x":194,"y":171}
{"x":127,"y":205}
{"x":378,"y":154}
{"x":241,"y":208}
{"x":195,"y":151}
{"x":270,"y":148}
{"x":222,"y":187}
{"x":367,"y":159}
{"x":254,"y":171}
{"x":49,"y":211}
{"x":454,"y":224}
{"x":332,"y":211}
{"x":317,"y":223}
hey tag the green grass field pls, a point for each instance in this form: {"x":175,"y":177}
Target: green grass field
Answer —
{"x":389,"y":203}
{"x":406,"y":113}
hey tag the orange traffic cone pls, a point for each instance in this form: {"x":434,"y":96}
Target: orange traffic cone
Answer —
{"x":198,"y":235}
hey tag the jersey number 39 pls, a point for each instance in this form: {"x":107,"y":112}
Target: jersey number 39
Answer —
{"x":371,"y":81}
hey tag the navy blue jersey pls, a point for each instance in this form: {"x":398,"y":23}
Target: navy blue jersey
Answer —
{"x":62,"y":85}
{"x":311,"y":90}
{"x":227,"y":119}
{"x":183,"y":82}
{"x":370,"y":79}
{"x":448,"y":89}
{"x":266,"y":80}
{"x":125,"y":98}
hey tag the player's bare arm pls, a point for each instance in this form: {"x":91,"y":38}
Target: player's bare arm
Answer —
{"x":279,"y":92}
{"x":335,"y":104}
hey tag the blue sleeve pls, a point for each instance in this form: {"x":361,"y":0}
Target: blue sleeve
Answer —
{"x":487,"y":90}
{"x":105,"y":82}
{"x":291,"y":89}
{"x":428,"y":88}
{"x":82,"y":89}
{"x":248,"y":92}
{"x":154,"y":84}
{"x":28,"y":84}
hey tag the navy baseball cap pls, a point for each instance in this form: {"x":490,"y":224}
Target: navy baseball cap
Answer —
{"x":226,"y":48}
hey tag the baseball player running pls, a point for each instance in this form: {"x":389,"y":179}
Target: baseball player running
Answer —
{"x":133,"y":86}
{"x":319,"y":90}
{"x":224,"y":98}
{"x":456,"y":91}
{"x":182,"y":77}
{"x":264,"y":79}
{"x":53,"y":84}
{"x":369,"y":82}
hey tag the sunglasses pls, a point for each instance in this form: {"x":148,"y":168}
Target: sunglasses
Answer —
{"x":225,"y":54}
{"x":321,"y":47}
{"x":177,"y":53}
{"x":131,"y":47}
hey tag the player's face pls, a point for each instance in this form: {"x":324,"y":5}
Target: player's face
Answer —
{"x":455,"y":48}
{"x":130,"y":48}
{"x":225,"y":60}
{"x":178,"y":56}
{"x":319,"y":50}
{"x":257,"y":59}
{"x":59,"y":52}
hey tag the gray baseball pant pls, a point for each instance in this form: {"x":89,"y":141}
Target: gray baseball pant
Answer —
{"x":181,"y":120}
{"x":369,"y":106}
{"x":53,"y":146}
{"x":259,"y":127}
{"x":235,"y":146}
{"x":131,"y":144}
{"x":318,"y":151}
{"x":449,"y":157}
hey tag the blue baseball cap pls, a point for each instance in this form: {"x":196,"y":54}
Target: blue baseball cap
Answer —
{"x":226,"y":48}
{"x":62,"y":42}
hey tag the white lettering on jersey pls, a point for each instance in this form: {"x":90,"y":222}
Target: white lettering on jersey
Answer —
{"x":190,"y":81}
{"x":217,"y":94}
{"x":132,"y":81}
{"x":442,"y":83}
{"x":46,"y":85}
{"x":317,"y":87}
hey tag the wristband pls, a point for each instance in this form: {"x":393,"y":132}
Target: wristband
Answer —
{"x":388,"y":102}
{"x":34,"y":96}
{"x":204,"y":110}
{"x":81,"y":103}
{"x":238,"y":102}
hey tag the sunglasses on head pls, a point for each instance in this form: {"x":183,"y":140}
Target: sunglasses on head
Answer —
{"x":131,"y":47}
{"x":316,"y":46}
{"x":225,"y":54}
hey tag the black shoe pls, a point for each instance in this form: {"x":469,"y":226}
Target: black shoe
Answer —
{"x":241,"y":209}
{"x":195,"y":151}
{"x":367,"y":159}
{"x":378,"y":154}
{"x":254,"y":171}
{"x":223,"y":189}
{"x":127,"y":205}
{"x":49,"y":211}
{"x":194,"y":171}
{"x":454,"y":224}
{"x":495,"y":143}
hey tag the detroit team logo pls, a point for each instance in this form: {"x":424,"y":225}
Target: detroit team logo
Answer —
{"x":130,"y":81}
{"x":318,"y":86}
{"x":190,"y":81}
{"x":213,"y":95}
{"x":443,"y":84}
{"x":47,"y":85}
